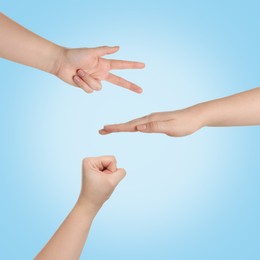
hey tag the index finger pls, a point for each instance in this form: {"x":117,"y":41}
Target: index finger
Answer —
{"x":130,"y":126}
{"x":125,"y":127}
{"x":123,"y":64}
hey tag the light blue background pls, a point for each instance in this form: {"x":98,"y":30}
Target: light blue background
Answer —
{"x":196,"y":197}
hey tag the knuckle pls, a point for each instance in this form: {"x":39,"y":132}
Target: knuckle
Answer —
{"x":86,"y":161}
{"x":112,"y":183}
{"x":123,"y":171}
{"x":116,"y":128}
{"x":113,"y":158}
{"x":104,"y":65}
{"x":153,"y":125}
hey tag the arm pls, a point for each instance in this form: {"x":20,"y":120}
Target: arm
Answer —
{"x":22,"y":46}
{"x":83,"y":67}
{"x":99,"y":179}
{"x":242,"y":109}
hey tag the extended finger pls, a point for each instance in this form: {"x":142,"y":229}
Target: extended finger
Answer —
{"x":123,"y":83}
{"x":131,"y":126}
{"x":80,"y":83}
{"x":105,"y":50}
{"x":124,"y":127}
{"x":122,"y":64}
{"x":155,"y":127}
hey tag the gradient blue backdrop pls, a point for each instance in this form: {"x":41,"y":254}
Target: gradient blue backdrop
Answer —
{"x":191,"y":198}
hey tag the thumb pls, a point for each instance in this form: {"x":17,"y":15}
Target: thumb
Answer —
{"x":104,"y":50}
{"x":118,"y":175}
{"x":155,"y":127}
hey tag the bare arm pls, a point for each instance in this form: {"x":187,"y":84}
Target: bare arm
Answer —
{"x":23,"y":46}
{"x":241,"y":109}
{"x":100,"y":176}
{"x":69,"y":239}
{"x":237,"y":110}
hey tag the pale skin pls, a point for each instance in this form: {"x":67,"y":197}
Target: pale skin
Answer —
{"x":241,"y":109}
{"x":82,"y":67}
{"x":100,"y":176}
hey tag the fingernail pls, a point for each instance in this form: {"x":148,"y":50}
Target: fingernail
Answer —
{"x":141,"y":127}
{"x":81,"y":73}
{"x":99,"y":87}
{"x":103,"y":132}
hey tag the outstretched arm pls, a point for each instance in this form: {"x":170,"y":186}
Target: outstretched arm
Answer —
{"x":21,"y":45}
{"x":82,"y":67}
{"x":242,"y":109}
{"x":100,"y":176}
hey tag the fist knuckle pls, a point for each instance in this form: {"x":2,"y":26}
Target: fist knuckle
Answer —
{"x":123,"y":173}
{"x":85,"y":161}
{"x":113,"y":158}
{"x":112,"y":183}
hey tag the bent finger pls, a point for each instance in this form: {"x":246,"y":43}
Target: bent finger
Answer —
{"x":80,"y":83}
{"x":106,"y":164}
{"x":130,"y":126}
{"x":91,"y":82}
{"x":119,"y":175}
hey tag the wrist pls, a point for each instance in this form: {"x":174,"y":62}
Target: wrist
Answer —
{"x":57,"y":57}
{"x":210,"y":113}
{"x":200,"y":112}
{"x":87,"y":207}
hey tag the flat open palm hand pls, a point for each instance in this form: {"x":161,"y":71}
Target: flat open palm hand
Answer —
{"x":173,"y":123}
{"x":85,"y":68}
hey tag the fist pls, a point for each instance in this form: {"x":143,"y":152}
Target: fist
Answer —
{"x":100,"y":176}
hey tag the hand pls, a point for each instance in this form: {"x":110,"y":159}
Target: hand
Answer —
{"x":100,"y":176}
{"x":86,"y":68}
{"x":176,"y":123}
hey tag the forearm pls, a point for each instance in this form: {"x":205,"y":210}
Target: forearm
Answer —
{"x":68,"y":241}
{"x":242,"y":109}
{"x":22,"y":46}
